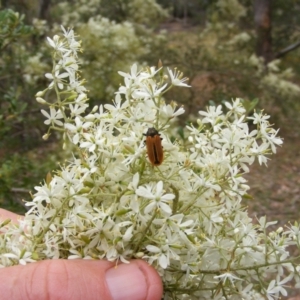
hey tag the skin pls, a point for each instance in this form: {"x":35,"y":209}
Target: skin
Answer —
{"x":79,"y":279}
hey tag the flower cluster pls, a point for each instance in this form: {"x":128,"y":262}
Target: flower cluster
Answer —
{"x":184,"y":216}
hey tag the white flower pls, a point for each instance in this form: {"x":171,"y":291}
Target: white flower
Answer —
{"x":117,"y":110}
{"x":171,"y":112}
{"x":53,"y":117}
{"x":57,"y":78}
{"x":158,"y":200}
{"x":236,"y":106}
{"x":133,"y":185}
{"x":78,"y":128}
{"x":276,"y":286}
{"x":133,"y":75}
{"x":176,"y":78}
{"x":212,"y":114}
{"x":259,"y":118}
{"x":162,"y":258}
{"x":23,"y":257}
{"x":226,"y":276}
{"x":91,"y":141}
{"x":73,"y":45}
{"x":77,"y":109}
{"x":270,"y":136}
{"x":76,"y":85}
{"x":149,"y":91}
{"x":57,"y":44}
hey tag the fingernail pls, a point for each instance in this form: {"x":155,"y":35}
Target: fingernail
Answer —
{"x":126,"y":282}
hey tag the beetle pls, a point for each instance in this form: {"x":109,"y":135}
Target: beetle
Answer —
{"x":154,"y":148}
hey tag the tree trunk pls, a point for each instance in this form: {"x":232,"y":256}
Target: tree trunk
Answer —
{"x":262,"y":19}
{"x":44,"y":9}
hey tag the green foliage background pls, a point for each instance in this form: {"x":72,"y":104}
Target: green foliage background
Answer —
{"x":212,"y":42}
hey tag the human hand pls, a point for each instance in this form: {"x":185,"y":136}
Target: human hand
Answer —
{"x":79,"y":279}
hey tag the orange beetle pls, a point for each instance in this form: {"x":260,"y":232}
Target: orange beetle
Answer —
{"x":154,"y":148}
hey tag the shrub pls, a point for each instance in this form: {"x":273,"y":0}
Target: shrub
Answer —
{"x":185,"y":216}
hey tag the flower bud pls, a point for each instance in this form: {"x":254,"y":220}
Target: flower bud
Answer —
{"x":139,"y":254}
{"x":41,"y":100}
{"x":40,"y":93}
{"x":45,"y":136}
{"x":95,"y":108}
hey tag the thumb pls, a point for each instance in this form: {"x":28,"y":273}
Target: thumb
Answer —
{"x":80,"y":279}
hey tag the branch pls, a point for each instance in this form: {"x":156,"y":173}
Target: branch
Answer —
{"x":287,"y":50}
{"x":19,"y":190}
